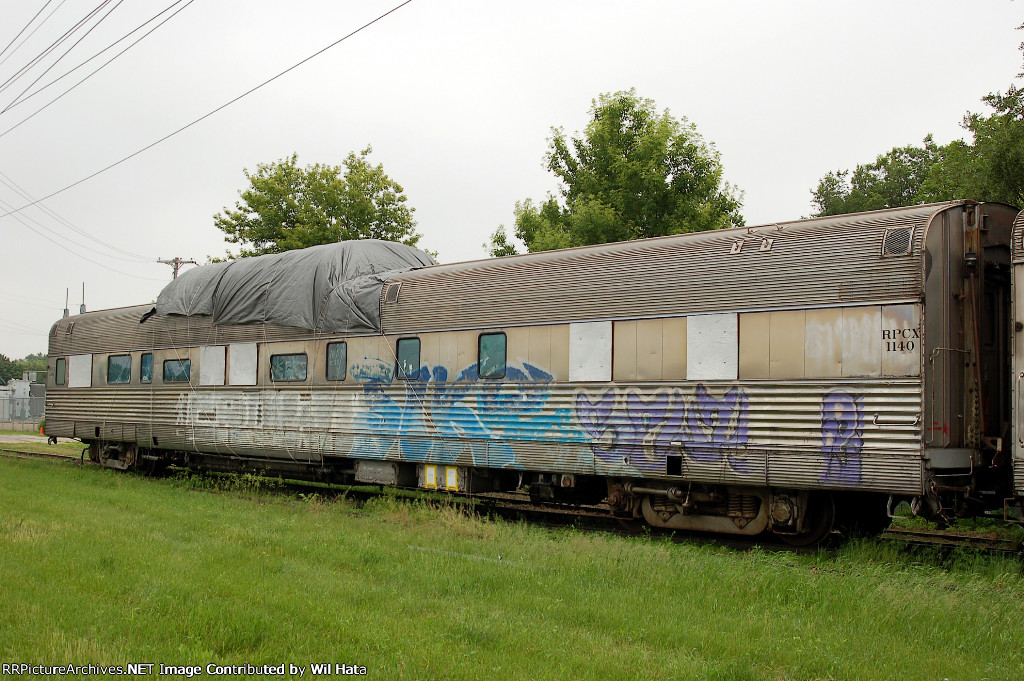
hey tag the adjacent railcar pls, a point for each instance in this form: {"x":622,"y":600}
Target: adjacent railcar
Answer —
{"x":783,"y":378}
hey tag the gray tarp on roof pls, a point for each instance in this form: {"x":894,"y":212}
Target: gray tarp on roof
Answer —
{"x":333,"y":288}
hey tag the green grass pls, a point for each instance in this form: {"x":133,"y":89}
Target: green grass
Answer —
{"x":106,"y":568}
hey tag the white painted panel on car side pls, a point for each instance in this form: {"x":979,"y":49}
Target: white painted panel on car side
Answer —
{"x":80,"y":371}
{"x":211,"y":365}
{"x":242,"y":364}
{"x":862,"y":341}
{"x":590,"y":351}
{"x":712,"y":347}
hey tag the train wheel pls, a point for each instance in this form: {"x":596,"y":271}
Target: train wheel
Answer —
{"x":821,"y":512}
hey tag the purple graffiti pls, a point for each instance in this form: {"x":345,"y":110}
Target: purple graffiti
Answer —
{"x":718,"y":427}
{"x":842,"y":437}
{"x":642,"y":432}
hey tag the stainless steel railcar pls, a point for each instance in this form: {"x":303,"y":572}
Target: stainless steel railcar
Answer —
{"x":779,"y":378}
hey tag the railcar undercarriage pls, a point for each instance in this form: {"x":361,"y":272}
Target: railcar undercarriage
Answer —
{"x":798,"y":517}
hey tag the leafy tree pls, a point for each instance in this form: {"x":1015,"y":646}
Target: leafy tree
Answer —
{"x":16,"y":368}
{"x":994,"y":167}
{"x":633,"y":173}
{"x":8,"y":369}
{"x":35,"y":362}
{"x":894,"y":179}
{"x":287,"y":207}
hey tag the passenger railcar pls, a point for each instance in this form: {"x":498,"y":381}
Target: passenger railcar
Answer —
{"x":786,"y":377}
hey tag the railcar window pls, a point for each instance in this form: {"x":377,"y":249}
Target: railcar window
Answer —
{"x":119,"y":369}
{"x":491,"y":355}
{"x":177,"y":370}
{"x":288,"y":367}
{"x":337,"y":361}
{"x":62,"y":369}
{"x":146,"y":368}
{"x":408,"y":358}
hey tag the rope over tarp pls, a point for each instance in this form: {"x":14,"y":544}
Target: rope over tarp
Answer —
{"x":333,"y":288}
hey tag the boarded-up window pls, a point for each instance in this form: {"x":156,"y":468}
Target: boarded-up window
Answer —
{"x":80,"y":371}
{"x":712,"y":347}
{"x":242,"y":363}
{"x":211,"y":364}
{"x":590,"y":351}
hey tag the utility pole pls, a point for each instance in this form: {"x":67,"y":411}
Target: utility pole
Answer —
{"x":176,"y":263}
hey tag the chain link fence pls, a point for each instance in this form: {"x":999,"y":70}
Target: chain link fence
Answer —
{"x":21,"y":413}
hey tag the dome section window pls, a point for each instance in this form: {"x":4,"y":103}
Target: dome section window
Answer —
{"x":491,"y":355}
{"x":177,"y":370}
{"x":337,"y":361}
{"x":408,"y":358}
{"x":291,"y":367}
{"x":119,"y":369}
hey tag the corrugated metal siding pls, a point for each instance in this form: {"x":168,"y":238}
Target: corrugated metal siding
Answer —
{"x":1017,"y":247}
{"x":751,"y":433}
{"x":827,"y":261}
{"x":1017,"y":255}
{"x":120,"y":331}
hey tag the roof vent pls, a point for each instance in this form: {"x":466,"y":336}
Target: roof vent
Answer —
{"x":391,"y":293}
{"x":897,"y":241}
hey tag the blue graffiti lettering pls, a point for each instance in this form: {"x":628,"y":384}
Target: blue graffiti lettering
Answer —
{"x":432,"y":419}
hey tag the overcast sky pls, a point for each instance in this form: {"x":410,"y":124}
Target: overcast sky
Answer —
{"x":457,"y":99}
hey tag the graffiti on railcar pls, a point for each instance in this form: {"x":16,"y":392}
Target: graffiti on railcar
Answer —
{"x":842,"y":437}
{"x":644,"y":433}
{"x":435,"y":420}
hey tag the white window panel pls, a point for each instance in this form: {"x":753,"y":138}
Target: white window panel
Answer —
{"x":712,"y":347}
{"x":242,"y":364}
{"x":211,"y":365}
{"x":80,"y":371}
{"x":590,"y":351}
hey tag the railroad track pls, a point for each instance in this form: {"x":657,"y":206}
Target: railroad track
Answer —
{"x":517,"y":506}
{"x":6,"y":451}
{"x":952,"y":540}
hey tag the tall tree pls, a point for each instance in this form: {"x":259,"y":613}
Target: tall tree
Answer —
{"x":287,"y":207}
{"x":8,"y":369}
{"x":894,"y":179}
{"x":632,"y":173}
{"x":995,"y":169}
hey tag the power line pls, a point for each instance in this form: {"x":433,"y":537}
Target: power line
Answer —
{"x":75,"y":253}
{"x":66,"y":52}
{"x":11,"y":184}
{"x":54,"y":45}
{"x":102,"y":66}
{"x":205,"y":116}
{"x":26,"y":27}
{"x":40,"y":25}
